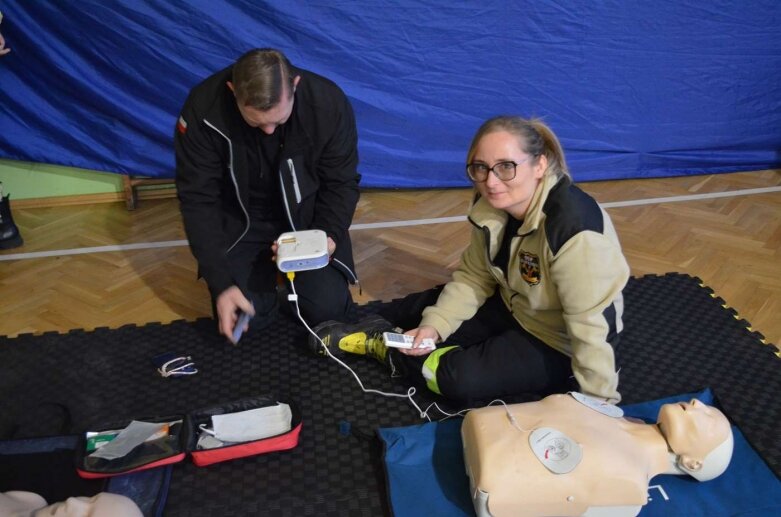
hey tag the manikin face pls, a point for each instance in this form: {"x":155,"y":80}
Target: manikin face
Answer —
{"x":268,"y":121}
{"x":513,"y":196}
{"x":693,"y":429}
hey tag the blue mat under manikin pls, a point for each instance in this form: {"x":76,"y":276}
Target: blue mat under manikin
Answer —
{"x":426,"y":474}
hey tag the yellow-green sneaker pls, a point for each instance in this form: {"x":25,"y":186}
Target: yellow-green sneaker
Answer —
{"x":362,"y":338}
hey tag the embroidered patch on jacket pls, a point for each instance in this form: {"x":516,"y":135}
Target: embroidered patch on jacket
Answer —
{"x":181,"y":126}
{"x":530,"y":267}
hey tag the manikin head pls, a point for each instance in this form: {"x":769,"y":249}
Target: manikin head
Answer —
{"x":699,"y":435}
{"x":103,"y":504}
{"x":18,"y":504}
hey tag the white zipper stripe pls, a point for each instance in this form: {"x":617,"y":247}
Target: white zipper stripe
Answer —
{"x":355,"y":278}
{"x":235,"y":183}
{"x":295,"y":179}
{"x":284,"y":200}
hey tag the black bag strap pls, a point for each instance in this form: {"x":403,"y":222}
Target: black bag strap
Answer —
{"x":56,"y":417}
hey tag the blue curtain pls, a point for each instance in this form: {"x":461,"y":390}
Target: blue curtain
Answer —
{"x":632,"y":88}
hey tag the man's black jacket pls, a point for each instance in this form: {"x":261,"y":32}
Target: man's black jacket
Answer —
{"x":317,"y":171}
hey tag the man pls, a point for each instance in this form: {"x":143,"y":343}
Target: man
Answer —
{"x":263,"y":148}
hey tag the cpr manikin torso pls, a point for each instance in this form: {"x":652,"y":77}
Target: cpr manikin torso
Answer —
{"x":617,"y":456}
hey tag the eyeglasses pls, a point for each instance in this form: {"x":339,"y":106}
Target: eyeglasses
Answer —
{"x":505,"y":171}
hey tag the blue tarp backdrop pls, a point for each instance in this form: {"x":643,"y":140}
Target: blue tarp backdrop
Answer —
{"x":632,"y":88}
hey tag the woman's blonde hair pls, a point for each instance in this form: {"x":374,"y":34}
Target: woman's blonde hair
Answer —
{"x":535,"y":138}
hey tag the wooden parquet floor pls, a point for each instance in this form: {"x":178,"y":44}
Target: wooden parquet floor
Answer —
{"x":732,"y":243}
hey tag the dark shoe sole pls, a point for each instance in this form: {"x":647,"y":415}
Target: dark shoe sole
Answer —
{"x":13,"y":242}
{"x":315,"y":346}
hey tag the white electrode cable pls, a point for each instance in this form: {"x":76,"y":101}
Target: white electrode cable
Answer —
{"x":410,"y":392}
{"x":462,"y":412}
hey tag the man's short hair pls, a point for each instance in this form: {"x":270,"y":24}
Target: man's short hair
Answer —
{"x":260,"y":76}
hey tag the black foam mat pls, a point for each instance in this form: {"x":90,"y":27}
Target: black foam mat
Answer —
{"x":678,"y":338}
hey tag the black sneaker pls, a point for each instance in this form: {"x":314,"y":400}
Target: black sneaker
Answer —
{"x":363,"y":337}
{"x":9,"y":232}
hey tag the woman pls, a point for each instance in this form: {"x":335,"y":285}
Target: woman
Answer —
{"x":537,"y":297}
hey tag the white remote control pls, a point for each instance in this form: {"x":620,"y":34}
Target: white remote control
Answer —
{"x":405,"y":341}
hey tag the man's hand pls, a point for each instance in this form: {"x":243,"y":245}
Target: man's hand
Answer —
{"x":229,"y":303}
{"x":420,"y":334}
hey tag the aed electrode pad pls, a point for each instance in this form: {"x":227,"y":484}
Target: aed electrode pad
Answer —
{"x":556,"y":451}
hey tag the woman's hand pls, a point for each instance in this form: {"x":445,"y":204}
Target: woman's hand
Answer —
{"x":420,"y":334}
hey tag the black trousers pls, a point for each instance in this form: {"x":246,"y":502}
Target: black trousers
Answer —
{"x":495,"y":357}
{"x":323,"y":294}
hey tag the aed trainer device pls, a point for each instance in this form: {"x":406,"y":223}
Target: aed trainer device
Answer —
{"x":302,"y":251}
